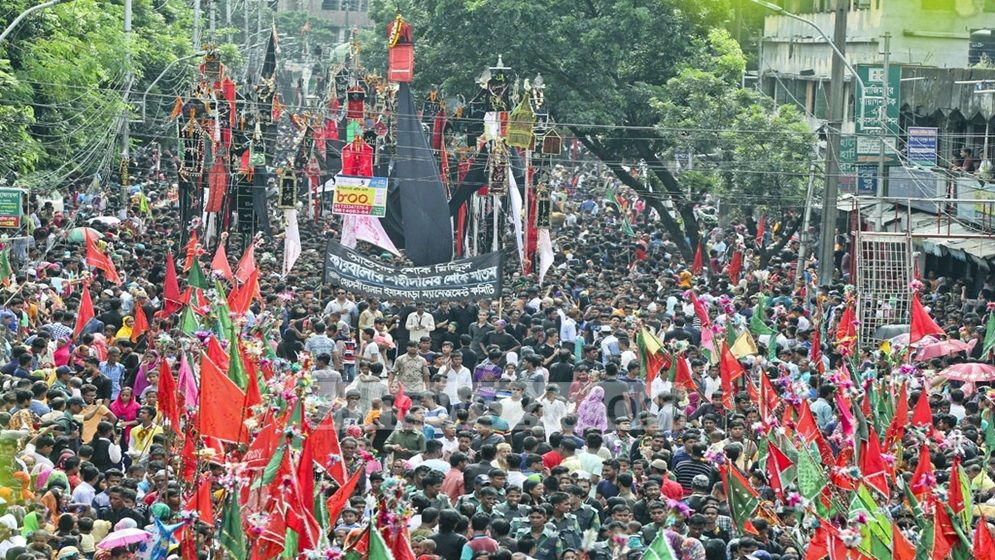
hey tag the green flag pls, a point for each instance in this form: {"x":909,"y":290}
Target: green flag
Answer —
{"x":627,"y":228}
{"x":221,"y":312}
{"x":659,"y":549}
{"x":5,"y":270}
{"x":758,"y":326}
{"x":236,"y":372}
{"x":196,"y":276}
{"x":988,"y":418}
{"x":743,"y":499}
{"x":876,"y":533}
{"x":378,"y":547}
{"x":811,"y":479}
{"x":232,"y":538}
{"x":188,"y":323}
{"x":772,"y":346}
{"x":989,"y":344}
{"x":269,"y":472}
{"x":610,"y":195}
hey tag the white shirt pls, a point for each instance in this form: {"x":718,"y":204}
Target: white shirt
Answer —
{"x":419,"y":325}
{"x":712,"y":385}
{"x":84,"y":494}
{"x":371,"y":352}
{"x":511,"y":410}
{"x":552,"y":412}
{"x":568,"y":328}
{"x":455,"y":380}
{"x":627,"y":356}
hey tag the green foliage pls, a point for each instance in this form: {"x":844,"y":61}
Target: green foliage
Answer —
{"x":603,"y":61}
{"x":63,"y":75}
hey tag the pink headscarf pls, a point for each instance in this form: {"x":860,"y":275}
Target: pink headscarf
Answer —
{"x":591,"y":412}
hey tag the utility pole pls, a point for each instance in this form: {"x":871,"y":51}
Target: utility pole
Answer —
{"x":126,"y":124}
{"x":803,"y":236}
{"x":885,"y":130}
{"x":212,"y":19}
{"x":196,"y":25}
{"x":228,"y":21}
{"x":246,"y":49}
{"x":836,"y":105}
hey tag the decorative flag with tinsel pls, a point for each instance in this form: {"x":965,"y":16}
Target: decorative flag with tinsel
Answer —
{"x":730,"y":370}
{"x":743,"y":499}
{"x":744,"y":346}
{"x":761,"y":230}
{"x":921,"y":323}
{"x":875,"y":532}
{"x":170,"y":290}
{"x":627,"y":228}
{"x":811,"y":477}
{"x":846,"y":330}
{"x":873,"y":469}
{"x":327,"y":452}
{"x":246,"y":264}
{"x":780,"y":469}
{"x":984,"y":544}
{"x":166,"y":392}
{"x":959,"y":493}
{"x":141,"y":324}
{"x":162,"y":541}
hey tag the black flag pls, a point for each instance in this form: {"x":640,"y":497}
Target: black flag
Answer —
{"x":428,"y":233}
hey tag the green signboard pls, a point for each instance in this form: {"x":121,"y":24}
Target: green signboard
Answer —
{"x":871,"y":98}
{"x":10,"y":208}
{"x":848,"y":154}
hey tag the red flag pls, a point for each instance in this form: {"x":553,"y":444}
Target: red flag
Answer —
{"x":872,"y":465}
{"x":216,"y":353}
{"x":729,"y":370}
{"x":171,"y":287}
{"x":921,"y":324}
{"x":984,"y":545}
{"x":240,"y":303}
{"x":246,"y":264}
{"x":189,"y":458}
{"x":815,"y":353}
{"x":700,"y":311}
{"x":201,"y":501}
{"x":85,"y":313}
{"x":896,"y":430}
{"x":683,"y":375}
{"x":327,"y":452}
{"x":191,"y":251}
{"x":777,"y":463}
{"x":806,"y":426}
{"x":761,"y":230}
{"x":97,"y":259}
{"x":944,"y":534}
{"x":921,"y":485}
{"x":265,"y":442}
{"x":903,"y":549}
{"x":340,"y":498}
{"x":222,"y":417}
{"x":217,"y":181}
{"x":220,"y":263}
{"x":166,"y":394}
{"x":735,"y":266}
{"x":252,"y":395}
{"x":768,"y":401}
{"x":305,"y":473}
{"x":922,"y":416}
{"x":141,"y":325}
{"x":846,"y":329}
{"x":955,"y":492}
{"x":699,"y":262}
{"x":402,"y":402}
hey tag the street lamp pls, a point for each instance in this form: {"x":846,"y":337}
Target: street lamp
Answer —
{"x":837,"y":109}
{"x":28,"y":12}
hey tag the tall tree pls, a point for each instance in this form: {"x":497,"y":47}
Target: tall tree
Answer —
{"x":603,"y":62}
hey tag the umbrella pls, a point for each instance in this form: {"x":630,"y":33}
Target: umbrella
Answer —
{"x":78,"y":235}
{"x":108,"y":220}
{"x":885,"y":332}
{"x":971,"y":372}
{"x":124,"y":537}
{"x":943,"y":348}
{"x":903,"y":340}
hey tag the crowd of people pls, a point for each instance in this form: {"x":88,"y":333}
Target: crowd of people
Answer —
{"x":596,"y":415}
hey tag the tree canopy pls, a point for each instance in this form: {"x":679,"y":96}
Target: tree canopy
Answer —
{"x":610,"y":69}
{"x":63,"y":75}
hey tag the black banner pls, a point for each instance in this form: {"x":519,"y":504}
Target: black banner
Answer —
{"x":475,"y":277}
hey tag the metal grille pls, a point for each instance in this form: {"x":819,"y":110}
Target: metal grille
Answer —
{"x":884,"y":271}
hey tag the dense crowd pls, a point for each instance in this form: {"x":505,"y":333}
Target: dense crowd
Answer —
{"x":541,"y":425}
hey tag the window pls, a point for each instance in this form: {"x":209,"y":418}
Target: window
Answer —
{"x":329,"y":4}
